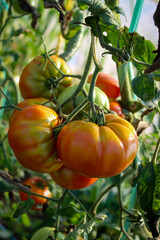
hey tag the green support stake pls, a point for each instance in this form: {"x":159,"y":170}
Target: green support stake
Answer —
{"x":133,"y":27}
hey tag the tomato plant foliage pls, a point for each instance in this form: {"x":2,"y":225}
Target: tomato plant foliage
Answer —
{"x":101,"y":171}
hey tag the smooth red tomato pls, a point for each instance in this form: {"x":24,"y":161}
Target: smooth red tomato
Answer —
{"x":98,"y":151}
{"x":39,"y":186}
{"x":70,"y":180}
{"x":107,"y":84}
{"x":36,"y":76}
{"x":116,"y":107}
{"x":31,"y":138}
{"x":31,"y":101}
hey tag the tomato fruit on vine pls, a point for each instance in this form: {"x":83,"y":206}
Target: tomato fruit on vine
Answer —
{"x":107,"y":84}
{"x":98,"y":151}
{"x":38,"y":186}
{"x":99,"y":96}
{"x":116,"y":107}
{"x":31,"y":138}
{"x":38,"y":77}
{"x":71,"y":180}
{"x":31,"y":101}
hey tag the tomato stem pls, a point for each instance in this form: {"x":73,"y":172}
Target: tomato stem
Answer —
{"x":122,"y":54}
{"x":11,"y":105}
{"x":83,"y":79}
{"x":128,"y":100}
{"x":154,"y":159}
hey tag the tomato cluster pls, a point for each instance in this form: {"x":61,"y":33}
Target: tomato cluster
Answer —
{"x":83,"y":151}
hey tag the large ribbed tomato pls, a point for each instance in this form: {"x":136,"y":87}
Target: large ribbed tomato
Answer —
{"x":36,"y":76}
{"x":39,"y":186}
{"x":107,"y":84}
{"x":31,"y":101}
{"x":31,"y":138}
{"x":71,"y":180}
{"x":98,"y":151}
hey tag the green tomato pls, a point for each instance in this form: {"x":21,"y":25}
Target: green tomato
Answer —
{"x":99,"y":97}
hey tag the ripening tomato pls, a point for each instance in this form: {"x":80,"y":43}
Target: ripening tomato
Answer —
{"x":116,"y":107}
{"x":29,"y":102}
{"x":70,"y":180}
{"x":99,"y":96}
{"x":107,"y":84}
{"x":98,"y":151}
{"x":39,"y":186}
{"x":31,"y":138}
{"x":36,"y":76}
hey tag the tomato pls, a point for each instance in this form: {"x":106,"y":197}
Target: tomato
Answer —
{"x":31,"y":138}
{"x":39,"y":186}
{"x":70,"y":180}
{"x":100,"y":98}
{"x":29,"y":102}
{"x":36,"y":76}
{"x":98,"y":151}
{"x":107,"y":84}
{"x":116,"y":107}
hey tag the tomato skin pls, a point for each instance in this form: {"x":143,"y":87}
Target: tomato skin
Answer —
{"x":99,"y":98}
{"x":116,"y":107}
{"x":31,"y":138}
{"x":95,"y":151}
{"x":39,"y":186}
{"x":34,"y":80}
{"x":107,"y":84}
{"x":28,"y":102}
{"x":70,"y":180}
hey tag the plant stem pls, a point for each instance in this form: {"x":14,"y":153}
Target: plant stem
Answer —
{"x":121,"y":212}
{"x":98,"y":68}
{"x":154,"y":159}
{"x":127,"y":96}
{"x":99,"y":200}
{"x":57,"y":215}
{"x":11,"y":104}
{"x":80,"y":203}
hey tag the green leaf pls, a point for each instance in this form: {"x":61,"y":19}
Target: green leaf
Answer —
{"x":26,"y":220}
{"x":100,"y":9}
{"x":143,"y":86}
{"x":74,"y":214}
{"x":148,"y":190}
{"x":23,"y":207}
{"x":44,"y":233}
{"x":120,"y":10}
{"x":69,"y":212}
{"x":6,"y":186}
{"x":74,"y":36}
{"x":143,"y":51}
{"x":85,"y":228}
